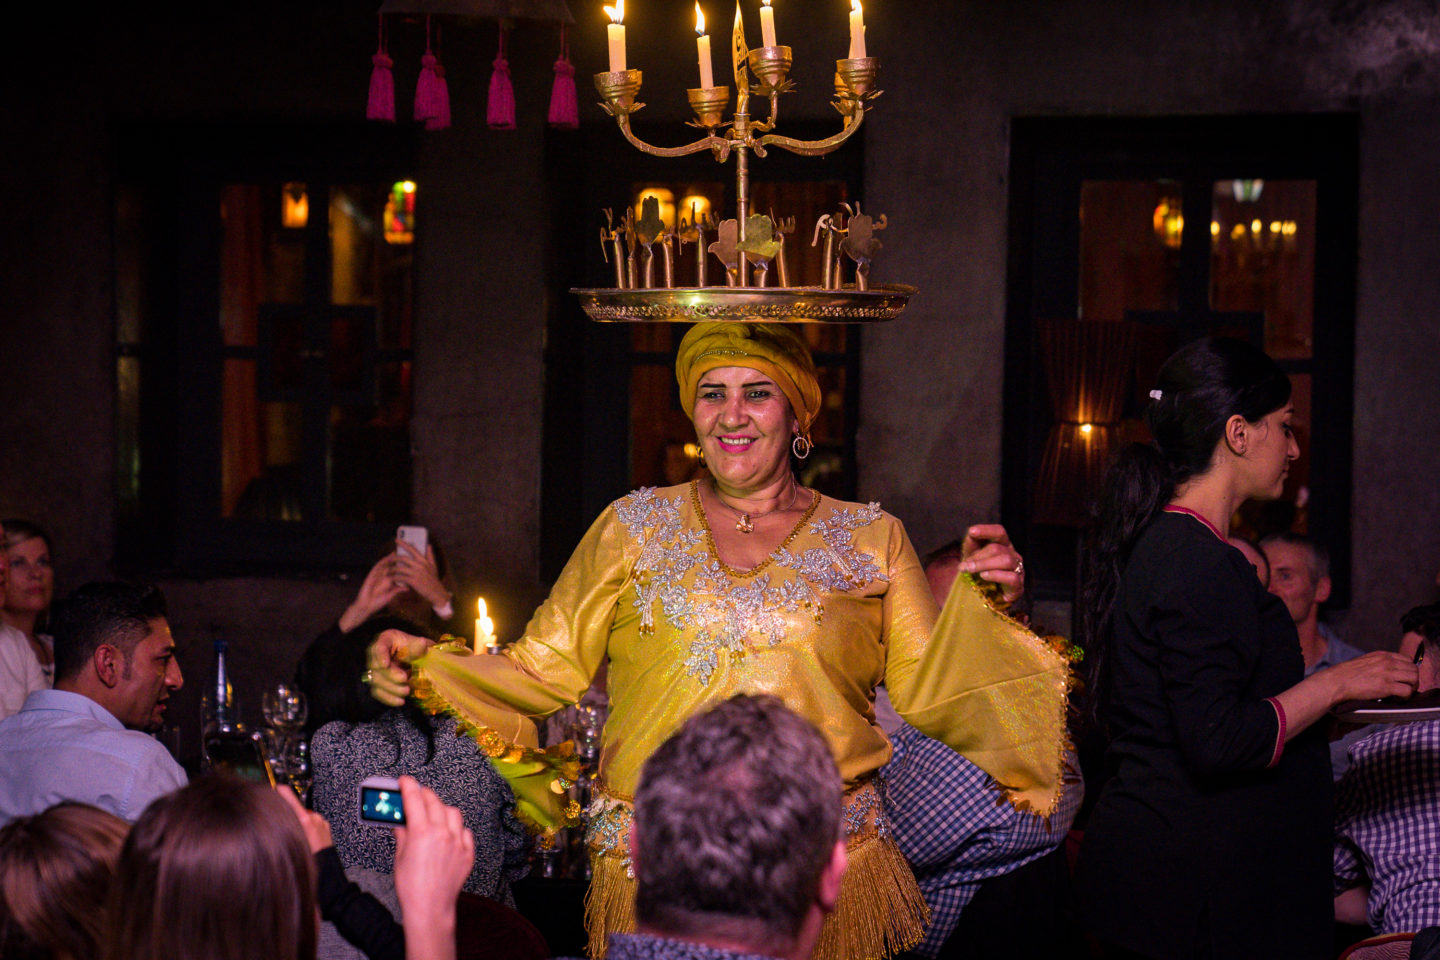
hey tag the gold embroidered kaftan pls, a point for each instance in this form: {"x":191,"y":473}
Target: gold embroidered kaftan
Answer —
{"x":842,"y":605}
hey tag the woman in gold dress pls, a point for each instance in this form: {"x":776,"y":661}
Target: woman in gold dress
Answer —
{"x":747,"y":582}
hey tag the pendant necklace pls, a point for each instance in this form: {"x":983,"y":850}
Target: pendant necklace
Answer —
{"x":746,"y":523}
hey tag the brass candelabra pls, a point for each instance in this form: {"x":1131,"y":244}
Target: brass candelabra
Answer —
{"x":748,"y":245}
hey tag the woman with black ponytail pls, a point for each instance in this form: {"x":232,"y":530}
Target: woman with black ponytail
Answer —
{"x":1212,"y":836}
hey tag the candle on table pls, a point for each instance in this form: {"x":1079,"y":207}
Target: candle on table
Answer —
{"x":702,"y":43}
{"x":617,"y":36}
{"x":484,"y":627}
{"x":857,"y":31}
{"x":767,"y":25}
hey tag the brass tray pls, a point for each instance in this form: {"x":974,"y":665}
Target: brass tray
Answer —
{"x":761,"y":304}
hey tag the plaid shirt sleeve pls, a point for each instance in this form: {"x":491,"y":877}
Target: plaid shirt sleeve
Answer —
{"x":956,"y":828}
{"x":1388,"y":823}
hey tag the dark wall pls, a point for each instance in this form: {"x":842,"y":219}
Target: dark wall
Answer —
{"x":955,"y":74}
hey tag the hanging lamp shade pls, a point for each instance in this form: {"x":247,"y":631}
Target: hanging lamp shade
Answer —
{"x":554,"y":10}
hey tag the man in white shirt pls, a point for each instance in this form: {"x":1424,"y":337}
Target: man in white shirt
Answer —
{"x":86,"y":739}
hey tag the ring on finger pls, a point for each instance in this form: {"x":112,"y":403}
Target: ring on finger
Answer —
{"x":367,"y":677}
{"x":1020,"y":567}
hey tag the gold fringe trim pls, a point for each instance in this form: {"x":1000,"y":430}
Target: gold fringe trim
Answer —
{"x":609,"y":903}
{"x":879,"y":914}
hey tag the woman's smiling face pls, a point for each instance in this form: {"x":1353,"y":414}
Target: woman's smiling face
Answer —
{"x":744,"y":425}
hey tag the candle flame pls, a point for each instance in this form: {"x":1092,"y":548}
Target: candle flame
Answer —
{"x":480,"y":605}
{"x":617,"y":12}
{"x":766,"y":2}
{"x":854,"y":6}
{"x":699,"y":20}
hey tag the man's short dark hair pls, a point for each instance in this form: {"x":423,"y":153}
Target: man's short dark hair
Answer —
{"x":1424,"y":621}
{"x":1319,"y":556}
{"x":96,"y":613}
{"x":736,"y":817}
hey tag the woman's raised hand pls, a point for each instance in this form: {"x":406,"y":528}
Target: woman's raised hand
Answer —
{"x":386,"y":673}
{"x":1373,"y":676}
{"x":433,"y":855}
{"x":315,"y":827}
{"x":379,"y":588}
{"x":420,"y":574}
{"x":988,"y":554}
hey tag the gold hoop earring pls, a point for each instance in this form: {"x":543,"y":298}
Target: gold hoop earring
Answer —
{"x":801,"y":446}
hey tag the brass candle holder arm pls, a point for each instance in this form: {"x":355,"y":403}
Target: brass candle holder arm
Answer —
{"x":811,"y":148}
{"x":619,"y":90}
{"x":717,"y":145}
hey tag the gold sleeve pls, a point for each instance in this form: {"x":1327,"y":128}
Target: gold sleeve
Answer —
{"x":978,"y":681}
{"x":497,"y":699}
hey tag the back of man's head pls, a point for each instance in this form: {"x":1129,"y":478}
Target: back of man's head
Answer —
{"x":736,"y":817}
{"x":97,"y":613}
{"x":942,"y":566}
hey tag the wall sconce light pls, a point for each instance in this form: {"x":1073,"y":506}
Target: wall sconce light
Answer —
{"x":666,"y":199}
{"x":294,"y":206}
{"x":694,"y":206}
{"x":1169,"y":223}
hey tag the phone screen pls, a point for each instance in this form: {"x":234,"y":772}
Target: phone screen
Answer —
{"x":379,"y":805}
{"x":240,"y":755}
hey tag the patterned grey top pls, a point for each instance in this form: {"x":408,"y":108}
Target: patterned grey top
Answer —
{"x":345,"y":754}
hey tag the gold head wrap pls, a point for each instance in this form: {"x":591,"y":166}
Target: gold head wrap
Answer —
{"x":771,"y":348}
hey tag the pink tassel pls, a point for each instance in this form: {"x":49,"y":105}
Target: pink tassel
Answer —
{"x":441,"y":120}
{"x":564,"y":110}
{"x":430,"y":88}
{"x":500,"y":107}
{"x":381,"y":105}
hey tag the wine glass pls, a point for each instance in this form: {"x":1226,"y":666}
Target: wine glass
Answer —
{"x":298,"y":771}
{"x":284,"y":708}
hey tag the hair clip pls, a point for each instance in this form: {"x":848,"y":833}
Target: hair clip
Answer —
{"x":1155,"y":394}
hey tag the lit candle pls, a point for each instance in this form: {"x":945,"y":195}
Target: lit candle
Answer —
{"x":702,"y":43}
{"x":857,"y":31}
{"x":767,"y":25}
{"x":484,"y":626}
{"x":617,"y":36}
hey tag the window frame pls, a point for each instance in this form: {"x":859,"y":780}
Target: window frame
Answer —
{"x":1050,"y":159}
{"x":181,"y":168}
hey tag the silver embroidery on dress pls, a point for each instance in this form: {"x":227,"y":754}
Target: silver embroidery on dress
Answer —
{"x":722,"y":613}
{"x":857,"y":811}
{"x":837,"y":566}
{"x":607,"y":829}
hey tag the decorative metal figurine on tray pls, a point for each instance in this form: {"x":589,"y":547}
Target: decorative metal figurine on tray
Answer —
{"x":747,"y":247}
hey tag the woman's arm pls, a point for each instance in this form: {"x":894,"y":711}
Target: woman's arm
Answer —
{"x":1375,"y":675}
{"x":498,"y":699}
{"x":376,"y":592}
{"x":976,"y":680}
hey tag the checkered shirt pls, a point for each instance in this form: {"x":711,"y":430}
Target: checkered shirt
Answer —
{"x":1387,"y":826}
{"x":956,"y":829}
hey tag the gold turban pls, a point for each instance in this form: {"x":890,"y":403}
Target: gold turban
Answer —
{"x":771,"y":348}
